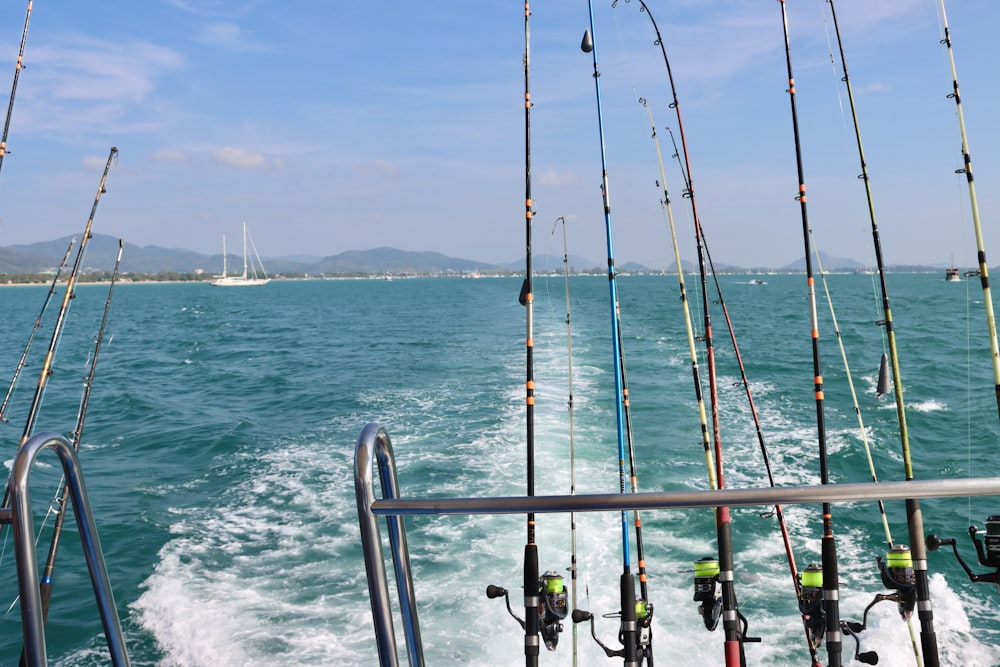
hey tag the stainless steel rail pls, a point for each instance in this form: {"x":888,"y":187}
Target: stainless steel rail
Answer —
{"x":375,"y":439}
{"x":19,"y":515}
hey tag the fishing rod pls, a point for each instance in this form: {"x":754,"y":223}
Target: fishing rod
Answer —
{"x":545,"y":598}
{"x":980,"y":250}
{"x":914,"y":515}
{"x":63,"y":310}
{"x":629,"y":632}
{"x":45,"y":586}
{"x":703,"y":568}
{"x":734,"y":632}
{"x":897,"y":570}
{"x":13,"y":88}
{"x":829,"y":605}
{"x":572,"y":442}
{"x":34,"y":330}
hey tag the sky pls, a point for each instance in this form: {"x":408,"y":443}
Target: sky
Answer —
{"x":335,"y":126}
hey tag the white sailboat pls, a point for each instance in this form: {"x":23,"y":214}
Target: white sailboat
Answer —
{"x":251,"y":278}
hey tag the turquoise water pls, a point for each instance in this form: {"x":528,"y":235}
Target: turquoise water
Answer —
{"x":218,"y":453}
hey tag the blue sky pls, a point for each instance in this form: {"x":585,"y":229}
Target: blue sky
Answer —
{"x":333,"y":126}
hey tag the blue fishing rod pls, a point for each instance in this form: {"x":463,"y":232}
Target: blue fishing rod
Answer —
{"x":545,"y":596}
{"x":629,"y":630}
{"x":13,"y":87}
{"x":815,"y":599}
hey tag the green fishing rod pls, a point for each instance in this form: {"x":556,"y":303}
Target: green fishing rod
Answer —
{"x":915,"y":526}
{"x":629,"y":630}
{"x":830,"y":604}
{"x":984,"y":277}
{"x":545,"y":598}
{"x":45,"y":586}
{"x":734,"y":633}
{"x":61,"y":318}
{"x":13,"y":87}
{"x":34,"y":330}
{"x":572,"y":441}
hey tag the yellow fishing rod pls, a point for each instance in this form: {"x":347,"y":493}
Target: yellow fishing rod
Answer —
{"x":13,"y":87}
{"x":984,"y":278}
{"x":914,"y":515}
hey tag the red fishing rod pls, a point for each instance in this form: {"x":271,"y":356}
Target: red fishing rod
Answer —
{"x":731,"y":618}
{"x":830,"y":604}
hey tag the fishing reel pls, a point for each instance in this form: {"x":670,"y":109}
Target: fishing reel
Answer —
{"x":636,"y":613}
{"x":814,"y":615}
{"x":552,"y":609}
{"x":987,"y":550}
{"x":643,"y":634}
{"x":897,"y":575}
{"x":706,"y":577}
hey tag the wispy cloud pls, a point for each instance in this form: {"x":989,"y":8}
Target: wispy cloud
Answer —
{"x":243,"y":159}
{"x":231,"y":37}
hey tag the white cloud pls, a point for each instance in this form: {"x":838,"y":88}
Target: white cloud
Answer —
{"x":237,"y":157}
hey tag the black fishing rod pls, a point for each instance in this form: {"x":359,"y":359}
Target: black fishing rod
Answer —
{"x":545,"y":598}
{"x":734,"y":631}
{"x":984,"y":278}
{"x":915,"y":526}
{"x":34,"y":330}
{"x":572,"y":440}
{"x":629,"y":629}
{"x":830,"y":605}
{"x":63,"y":310}
{"x":45,"y":586}
{"x":13,"y":87}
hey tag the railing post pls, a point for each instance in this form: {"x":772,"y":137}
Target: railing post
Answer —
{"x":32,"y":623}
{"x":374,"y":446}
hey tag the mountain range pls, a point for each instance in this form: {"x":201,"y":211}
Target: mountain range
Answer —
{"x":102,"y":250}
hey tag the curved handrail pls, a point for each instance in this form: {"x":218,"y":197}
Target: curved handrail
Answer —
{"x":374,"y":444}
{"x":32,"y":623}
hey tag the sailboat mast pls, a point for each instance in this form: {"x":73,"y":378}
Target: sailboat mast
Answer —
{"x":223,"y":255}
{"x":244,"y":251}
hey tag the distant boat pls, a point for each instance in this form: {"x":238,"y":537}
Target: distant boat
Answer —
{"x":251,"y":278}
{"x":952,"y":275}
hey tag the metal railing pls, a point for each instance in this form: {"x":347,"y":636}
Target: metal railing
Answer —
{"x":19,"y":516}
{"x":374,"y":443}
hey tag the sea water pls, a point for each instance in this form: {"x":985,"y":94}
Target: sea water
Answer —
{"x":219,"y":441}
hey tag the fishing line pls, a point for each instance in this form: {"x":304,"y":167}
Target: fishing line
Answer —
{"x":914,"y":515}
{"x":13,"y":87}
{"x":829,"y":573}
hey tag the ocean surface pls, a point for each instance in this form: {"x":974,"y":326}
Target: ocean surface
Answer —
{"x":218,"y":453}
